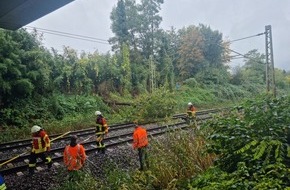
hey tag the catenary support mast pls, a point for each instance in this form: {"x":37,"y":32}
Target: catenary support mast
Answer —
{"x":270,"y":70}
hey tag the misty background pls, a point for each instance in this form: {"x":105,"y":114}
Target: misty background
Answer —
{"x":235,"y":19}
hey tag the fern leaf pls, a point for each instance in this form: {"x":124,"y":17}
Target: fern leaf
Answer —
{"x":260,"y":150}
{"x":247,"y":147}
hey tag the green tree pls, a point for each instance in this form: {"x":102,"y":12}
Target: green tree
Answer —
{"x":237,"y":76}
{"x":165,"y":65}
{"x":126,"y":69}
{"x":254,"y":68}
{"x":149,"y":26}
{"x":119,"y":25}
{"x":281,"y":79}
{"x":213,"y":49}
{"x":190,"y":52}
{"x":23,"y":67}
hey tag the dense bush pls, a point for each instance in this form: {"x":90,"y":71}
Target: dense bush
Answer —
{"x":251,"y":142}
{"x":158,"y":104}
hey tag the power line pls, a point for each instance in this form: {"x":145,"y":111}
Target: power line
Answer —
{"x":236,"y":58}
{"x":240,"y":54}
{"x":245,"y":56}
{"x":43,"y":29}
{"x":70,"y":35}
{"x":247,"y":37}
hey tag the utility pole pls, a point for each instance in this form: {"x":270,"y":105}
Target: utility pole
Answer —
{"x":152,"y":73}
{"x":270,"y":70}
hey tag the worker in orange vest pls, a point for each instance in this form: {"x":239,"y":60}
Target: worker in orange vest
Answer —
{"x":140,"y":142}
{"x":101,"y":129}
{"x":74,"y":155}
{"x":40,"y":147}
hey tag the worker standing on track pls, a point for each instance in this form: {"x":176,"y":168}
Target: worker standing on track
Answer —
{"x":74,"y":155}
{"x":140,"y":142}
{"x":101,"y":129}
{"x":2,"y":183}
{"x":191,"y":114}
{"x":40,"y":147}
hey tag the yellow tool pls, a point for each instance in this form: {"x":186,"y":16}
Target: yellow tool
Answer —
{"x":86,"y":139}
{"x":60,"y":136}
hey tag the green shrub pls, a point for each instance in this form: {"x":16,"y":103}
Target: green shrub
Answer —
{"x":78,"y":180}
{"x":254,"y":134}
{"x":158,"y":104}
{"x":191,"y":82}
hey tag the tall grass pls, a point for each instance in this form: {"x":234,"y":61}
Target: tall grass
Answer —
{"x":77,"y":180}
{"x":174,"y":158}
{"x":178,"y":157}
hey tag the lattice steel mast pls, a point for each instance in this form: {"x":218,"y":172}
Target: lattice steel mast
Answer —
{"x":270,"y":70}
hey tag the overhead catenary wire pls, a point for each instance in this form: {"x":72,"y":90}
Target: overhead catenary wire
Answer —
{"x":245,"y":56}
{"x":103,"y":41}
{"x":66,"y":33}
{"x":69,"y":35}
{"x":242,"y":55}
{"x":247,"y":37}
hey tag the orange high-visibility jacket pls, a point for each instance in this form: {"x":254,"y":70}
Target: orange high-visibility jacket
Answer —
{"x":140,"y":137}
{"x":74,"y":157}
{"x":40,"y":142}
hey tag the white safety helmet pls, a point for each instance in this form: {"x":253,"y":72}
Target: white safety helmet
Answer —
{"x":98,"y":113}
{"x":189,"y":104}
{"x":35,"y":129}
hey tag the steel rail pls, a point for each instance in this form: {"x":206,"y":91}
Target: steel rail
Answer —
{"x":84,"y":132}
{"x":27,"y":142}
{"x":110,"y":142}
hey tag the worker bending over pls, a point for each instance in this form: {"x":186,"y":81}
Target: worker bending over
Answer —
{"x":74,"y":155}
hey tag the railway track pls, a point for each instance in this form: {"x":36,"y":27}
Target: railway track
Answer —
{"x":119,"y":134}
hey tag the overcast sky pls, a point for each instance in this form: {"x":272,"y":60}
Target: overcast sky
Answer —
{"x":235,"y":19}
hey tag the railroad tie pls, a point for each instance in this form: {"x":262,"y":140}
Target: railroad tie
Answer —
{"x":39,"y":168}
{"x":19,"y":174}
{"x":56,"y":164}
{"x":58,"y":154}
{"x":39,"y":160}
